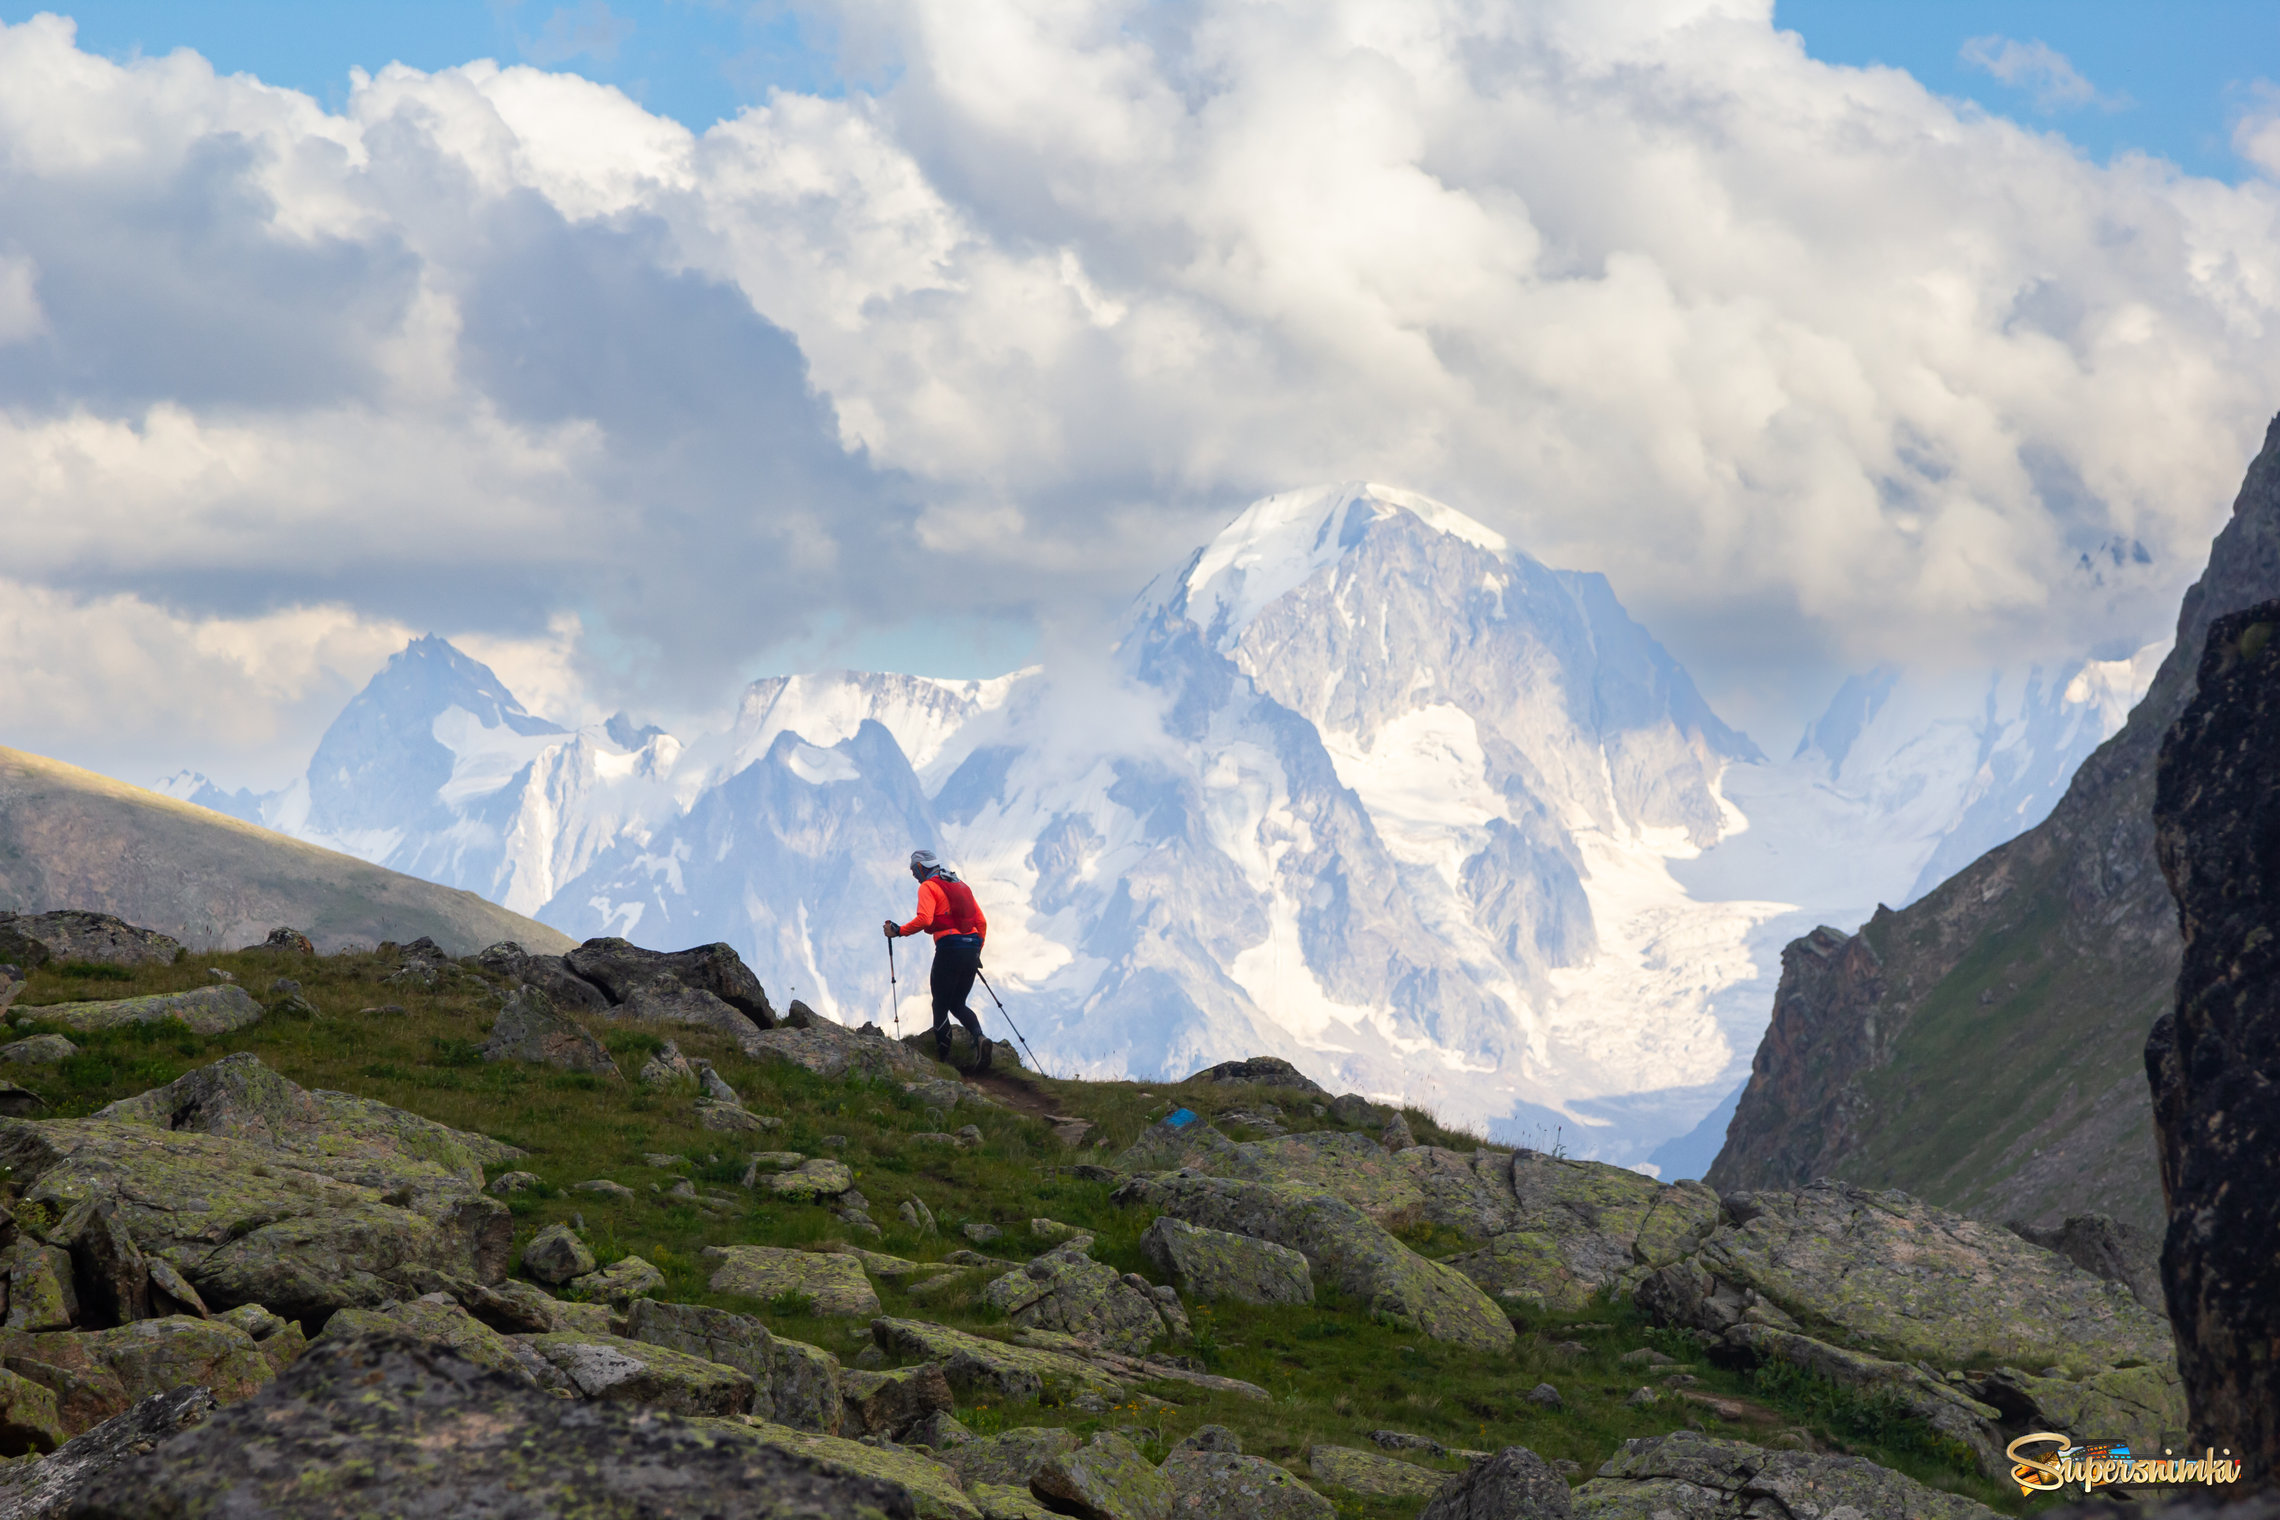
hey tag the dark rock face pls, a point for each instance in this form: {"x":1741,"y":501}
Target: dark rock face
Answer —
{"x":2214,"y":1062}
{"x":45,"y":1489}
{"x":621,"y":970}
{"x":70,"y":934}
{"x":516,"y":966}
{"x":1980,"y":1048}
{"x":389,"y":1428}
{"x":2105,"y":1247}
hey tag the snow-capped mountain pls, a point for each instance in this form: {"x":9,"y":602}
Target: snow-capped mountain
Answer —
{"x":1361,"y":785}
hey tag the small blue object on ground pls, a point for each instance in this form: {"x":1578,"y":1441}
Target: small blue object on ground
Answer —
{"x":1179,"y":1118}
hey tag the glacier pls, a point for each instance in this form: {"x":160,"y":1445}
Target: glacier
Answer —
{"x":1360,"y":784}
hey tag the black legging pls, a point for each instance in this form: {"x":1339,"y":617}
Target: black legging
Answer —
{"x":957,"y":961}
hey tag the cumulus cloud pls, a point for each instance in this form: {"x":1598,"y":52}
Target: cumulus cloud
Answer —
{"x":2038,"y":68}
{"x":1814,"y":366}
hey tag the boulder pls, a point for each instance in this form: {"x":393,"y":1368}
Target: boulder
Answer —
{"x":1105,"y":1479}
{"x":978,"y":1367}
{"x":1579,"y":1227}
{"x":1263,"y":1071}
{"x":289,"y":941}
{"x":528,"y":1029}
{"x":72,"y":934}
{"x":1514,"y":1484}
{"x":1214,"y":1265}
{"x":37,"y":1050}
{"x":29,"y":1418}
{"x":399,"y":1428}
{"x":204,"y":1010}
{"x":999,"y":1502}
{"x":1067,"y":1291}
{"x":622,"y":970}
{"x":1368,"y":1472}
{"x":46,"y":1489}
{"x":1953,"y":1409}
{"x":889,"y":1404}
{"x":834,"y":1050}
{"x":1342,"y":1245}
{"x":835,"y":1284}
{"x":793,"y":1383}
{"x":616,"y":1370}
{"x":620,"y":1283}
{"x":439,"y":1321}
{"x":666,"y":1001}
{"x":555,"y":1255}
{"x":1224,"y":1485}
{"x":1011,"y":1458}
{"x":517,"y":967}
{"x":64,"y":1363}
{"x":154,"y":1355}
{"x":1208,"y":1438}
{"x":667,"y":1066}
{"x":108,"y":1270}
{"x":931,"y":1489}
{"x":815,"y":1178}
{"x":1687,"y":1476}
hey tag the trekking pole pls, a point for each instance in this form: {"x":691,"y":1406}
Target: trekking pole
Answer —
{"x":1034,"y":1063}
{"x":894,"y":993}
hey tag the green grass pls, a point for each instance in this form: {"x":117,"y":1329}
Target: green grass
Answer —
{"x":1333,"y":1373}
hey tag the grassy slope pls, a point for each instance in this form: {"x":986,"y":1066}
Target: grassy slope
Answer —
{"x":70,"y":838}
{"x":1335,"y":1375}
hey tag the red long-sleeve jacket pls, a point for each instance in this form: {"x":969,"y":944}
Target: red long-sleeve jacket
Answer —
{"x":947,"y":906}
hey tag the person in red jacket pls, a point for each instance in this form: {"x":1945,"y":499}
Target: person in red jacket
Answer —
{"x":947,"y":910}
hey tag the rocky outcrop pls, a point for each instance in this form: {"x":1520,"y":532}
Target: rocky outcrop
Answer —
{"x":2213,"y":1059}
{"x":708,"y":985}
{"x":253,"y":1190}
{"x":1211,"y":1265}
{"x":1981,"y":1047}
{"x":2103,"y":1246}
{"x":1686,"y":1476}
{"x":979,"y":1367}
{"x":1226,"y":1485}
{"x":1578,"y":1228}
{"x":1881,"y":1292}
{"x":833,"y":1050}
{"x":1342,"y":1245}
{"x":832,"y":1283}
{"x":1368,"y":1472}
{"x":397,"y":1427}
{"x":72,"y":934}
{"x":1264,"y":1071}
{"x":930,"y":1489}
{"x":528,"y":1029}
{"x":1067,"y":1291}
{"x":514,"y":966}
{"x":793,"y":1383}
{"x":204,"y":1010}
{"x":1105,"y":1479}
{"x":615,"y":1370}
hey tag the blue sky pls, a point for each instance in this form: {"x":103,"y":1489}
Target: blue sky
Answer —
{"x":2165,"y":79}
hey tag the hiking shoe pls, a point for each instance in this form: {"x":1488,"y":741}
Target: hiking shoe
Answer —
{"x":982,"y":1061}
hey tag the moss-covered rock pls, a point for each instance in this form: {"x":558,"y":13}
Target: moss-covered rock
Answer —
{"x":1226,"y":1485}
{"x":40,"y":1291}
{"x":1686,"y":1476}
{"x":1214,"y":1265}
{"x":978,"y":1366}
{"x":997,"y":1501}
{"x":529,"y":1029}
{"x":621,"y":1282}
{"x":1010,"y":1458}
{"x":817,"y":1177}
{"x":86,"y":1391}
{"x":378,"y":1427}
{"x":44,"y":1489}
{"x":154,"y":1355}
{"x":556,"y":1255}
{"x":1890,"y":1274}
{"x":890,"y":1404}
{"x":1342,"y":1245}
{"x":1371,"y":1473}
{"x":619,"y":1371}
{"x":438,"y":1320}
{"x":1066,"y":1291}
{"x":832,"y":1050}
{"x":1580,"y":1227}
{"x":1948,"y":1408}
{"x":1512,"y":1484}
{"x":206,"y":1010}
{"x":835,"y":1283}
{"x":29,"y":1418}
{"x":794,"y":1383}
{"x":1105,"y":1479}
{"x":933,"y":1489}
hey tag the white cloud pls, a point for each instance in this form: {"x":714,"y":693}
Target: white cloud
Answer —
{"x":2039,"y":68}
{"x":1814,"y":366}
